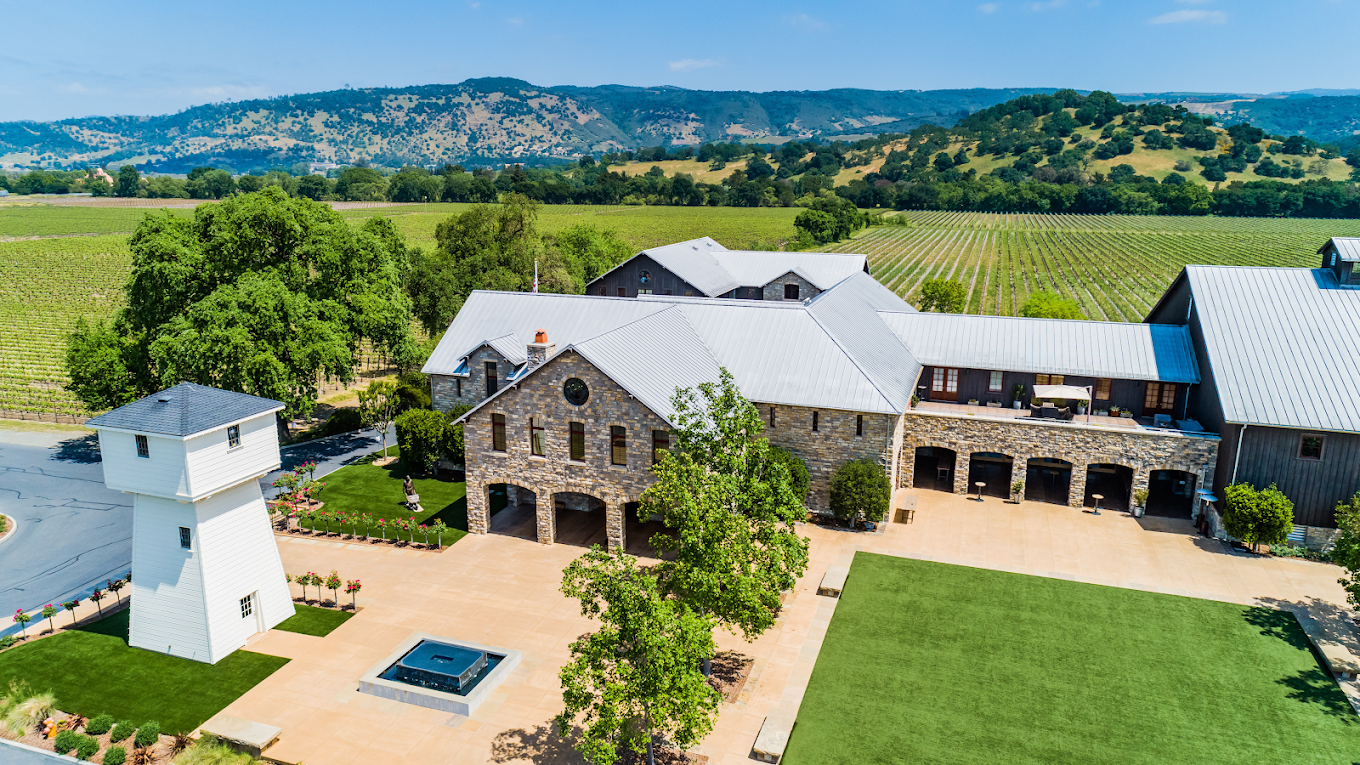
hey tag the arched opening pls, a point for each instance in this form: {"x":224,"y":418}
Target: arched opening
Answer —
{"x":1048,"y":479}
{"x":1171,"y":493}
{"x":934,"y":468}
{"x":1112,"y":482}
{"x":513,"y":510}
{"x":640,"y":531}
{"x":580,"y":519}
{"x":992,"y":469}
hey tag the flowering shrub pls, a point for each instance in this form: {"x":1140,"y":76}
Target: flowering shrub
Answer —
{"x":97,"y":596}
{"x":71,"y":605}
{"x":352,"y":588}
{"x":48,"y":612}
{"x":22,"y":619}
{"x":333,"y":584}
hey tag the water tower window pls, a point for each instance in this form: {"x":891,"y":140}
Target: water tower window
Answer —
{"x":143,"y":450}
{"x":233,"y":436}
{"x":184,"y":537}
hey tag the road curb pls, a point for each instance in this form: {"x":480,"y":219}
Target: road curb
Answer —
{"x":13,"y":528}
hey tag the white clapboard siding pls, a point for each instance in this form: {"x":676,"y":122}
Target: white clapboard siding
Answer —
{"x":213,"y":466}
{"x":239,"y":556}
{"x":168,"y":613}
{"x":162,"y":474}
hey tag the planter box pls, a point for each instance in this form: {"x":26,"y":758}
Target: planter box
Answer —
{"x":994,"y":404}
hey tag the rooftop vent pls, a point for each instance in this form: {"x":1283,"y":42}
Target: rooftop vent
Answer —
{"x":541,"y":336}
{"x":164,"y":399}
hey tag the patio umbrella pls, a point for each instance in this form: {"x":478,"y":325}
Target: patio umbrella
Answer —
{"x":1066,"y":391}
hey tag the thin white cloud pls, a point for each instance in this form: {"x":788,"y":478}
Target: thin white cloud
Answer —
{"x":1186,"y":17}
{"x":690,"y":64}
{"x":1194,"y":2}
{"x":1047,"y":6}
{"x":515,"y":21}
{"x":806,"y":23}
{"x":988,"y":7}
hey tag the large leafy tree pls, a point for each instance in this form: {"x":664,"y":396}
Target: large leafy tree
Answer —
{"x":1346,"y":553}
{"x":943,"y":295}
{"x":1264,"y":516}
{"x":729,"y":506}
{"x":1047,"y":305}
{"x":637,"y":676}
{"x":262,"y":294}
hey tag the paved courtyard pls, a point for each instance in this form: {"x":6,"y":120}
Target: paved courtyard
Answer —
{"x":502,"y":590}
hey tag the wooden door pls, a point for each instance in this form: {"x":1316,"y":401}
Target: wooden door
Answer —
{"x":944,"y":384}
{"x":1159,"y":398}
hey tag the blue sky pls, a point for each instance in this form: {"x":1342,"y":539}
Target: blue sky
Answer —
{"x":81,"y":58}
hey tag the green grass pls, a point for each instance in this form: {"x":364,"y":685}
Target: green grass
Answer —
{"x":931,"y":663}
{"x":310,"y":620}
{"x":367,"y":488}
{"x":94,"y":671}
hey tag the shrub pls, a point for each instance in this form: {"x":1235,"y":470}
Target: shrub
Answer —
{"x":148,"y":734}
{"x":65,"y":741}
{"x":860,"y":488}
{"x":24,"y":711}
{"x":99,"y":725}
{"x":210,"y":751}
{"x":799,"y":478}
{"x":7,"y":641}
{"x":86,"y":747}
{"x":421,"y":435}
{"x":116,"y":755}
{"x":342,"y":421}
{"x":121,"y":731}
{"x":1257,"y":517}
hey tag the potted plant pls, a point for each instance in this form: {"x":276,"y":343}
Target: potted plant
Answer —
{"x":1114,"y":411}
{"x":972,"y":402}
{"x":1139,"y":502}
{"x":1081,"y":407}
{"x":1017,"y":491}
{"x":1018,"y":395}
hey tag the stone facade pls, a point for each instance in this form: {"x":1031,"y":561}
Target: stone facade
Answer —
{"x":833,"y":444}
{"x":775,"y":289}
{"x":447,"y":390}
{"x":540,"y":395}
{"x":1142,"y":450}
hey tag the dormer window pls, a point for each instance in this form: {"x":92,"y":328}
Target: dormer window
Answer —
{"x":233,"y":436}
{"x":143,"y":449}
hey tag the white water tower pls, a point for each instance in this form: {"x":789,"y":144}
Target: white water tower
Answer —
{"x":206,"y":573}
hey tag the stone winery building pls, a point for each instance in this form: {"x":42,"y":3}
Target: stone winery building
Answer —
{"x":1234,"y":376}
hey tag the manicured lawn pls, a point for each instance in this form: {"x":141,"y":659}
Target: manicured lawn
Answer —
{"x":94,"y":670}
{"x":931,"y":663}
{"x":366,"y":488}
{"x":310,"y":620}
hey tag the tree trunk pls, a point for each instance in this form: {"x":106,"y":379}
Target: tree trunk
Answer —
{"x":282,"y":425}
{"x":651,"y":754}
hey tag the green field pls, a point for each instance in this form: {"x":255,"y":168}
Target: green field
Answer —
{"x":66,"y":220}
{"x":931,"y":663}
{"x":1114,"y":266}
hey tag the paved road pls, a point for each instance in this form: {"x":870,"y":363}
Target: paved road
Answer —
{"x":73,"y":533}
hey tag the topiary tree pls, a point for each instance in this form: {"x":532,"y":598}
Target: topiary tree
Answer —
{"x":799,"y":477}
{"x":421,"y":435}
{"x":860,"y":488}
{"x":1257,"y":517}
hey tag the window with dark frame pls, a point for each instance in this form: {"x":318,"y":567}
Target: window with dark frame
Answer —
{"x":859,"y":424}
{"x":1169,"y":396}
{"x":577,"y":439}
{"x":185,"y":537}
{"x":790,"y":291}
{"x":143,"y":449}
{"x":661,"y":443}
{"x":247,"y":607}
{"x":458,"y":386}
{"x":1152,"y":396}
{"x":669,"y":292}
{"x":618,"y":445}
{"x":994,"y":382}
{"x":536,"y":446}
{"x":1103,"y":389}
{"x":491,"y":381}
{"x":233,"y":436}
{"x":772,"y":417}
{"x":497,"y":432}
{"x":814,"y":422}
{"x":623,"y":292}
{"x":1310,"y":446}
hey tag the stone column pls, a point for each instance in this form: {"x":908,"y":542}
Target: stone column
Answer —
{"x":1141,"y":477}
{"x":478,"y":518}
{"x":1076,"y":488}
{"x":545,"y":511}
{"x":1019,"y":464}
{"x":961,"y":460}
{"x":906,"y":468}
{"x":615,"y":527}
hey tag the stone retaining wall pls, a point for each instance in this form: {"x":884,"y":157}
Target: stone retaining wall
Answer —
{"x":1022,"y":439}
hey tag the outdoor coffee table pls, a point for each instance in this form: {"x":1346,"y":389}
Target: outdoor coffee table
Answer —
{"x":1097,"y":498}
{"x":980,"y":485}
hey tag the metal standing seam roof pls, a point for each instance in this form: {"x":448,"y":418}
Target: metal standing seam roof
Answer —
{"x":1280,"y":342}
{"x":184,"y":410}
{"x":758,"y":268}
{"x":1054,"y":346}
{"x":1347,"y":247}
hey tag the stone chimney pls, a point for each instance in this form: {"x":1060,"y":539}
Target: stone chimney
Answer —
{"x":540,"y":349}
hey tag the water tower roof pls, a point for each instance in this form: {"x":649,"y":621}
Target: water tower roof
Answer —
{"x":184,"y":410}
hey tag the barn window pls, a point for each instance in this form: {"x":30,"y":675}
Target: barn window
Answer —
{"x":233,"y":436}
{"x":536,"y":437}
{"x":490,"y":378}
{"x":185,"y":538}
{"x":143,"y":450}
{"x":790,"y":291}
{"x":577,"y":433}
{"x":1310,"y":446}
{"x":498,"y":432}
{"x":859,"y":424}
{"x":994,"y":383}
{"x":661,"y":443}
{"x":618,"y":445}
{"x":772,"y":417}
{"x":1103,"y":389}
{"x":814,"y":422}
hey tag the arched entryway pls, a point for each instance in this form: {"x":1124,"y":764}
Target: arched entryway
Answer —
{"x":934,"y":468}
{"x":1171,"y":493}
{"x":992,"y":469}
{"x":640,"y":530}
{"x":1048,"y":479}
{"x":580,"y":519}
{"x":1112,"y":482}
{"x":513,"y":510}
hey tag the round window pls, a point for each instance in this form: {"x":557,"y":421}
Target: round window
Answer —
{"x":645,"y":277}
{"x":575,"y":391}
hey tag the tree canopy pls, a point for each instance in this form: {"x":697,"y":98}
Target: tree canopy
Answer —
{"x":262,"y":294}
{"x":1254,"y":516}
{"x":943,"y":295}
{"x":1047,"y":305}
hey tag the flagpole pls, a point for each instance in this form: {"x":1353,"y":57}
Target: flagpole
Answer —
{"x":535,"y":276}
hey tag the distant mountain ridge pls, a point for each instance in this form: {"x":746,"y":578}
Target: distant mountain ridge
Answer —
{"x":494,"y":119}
